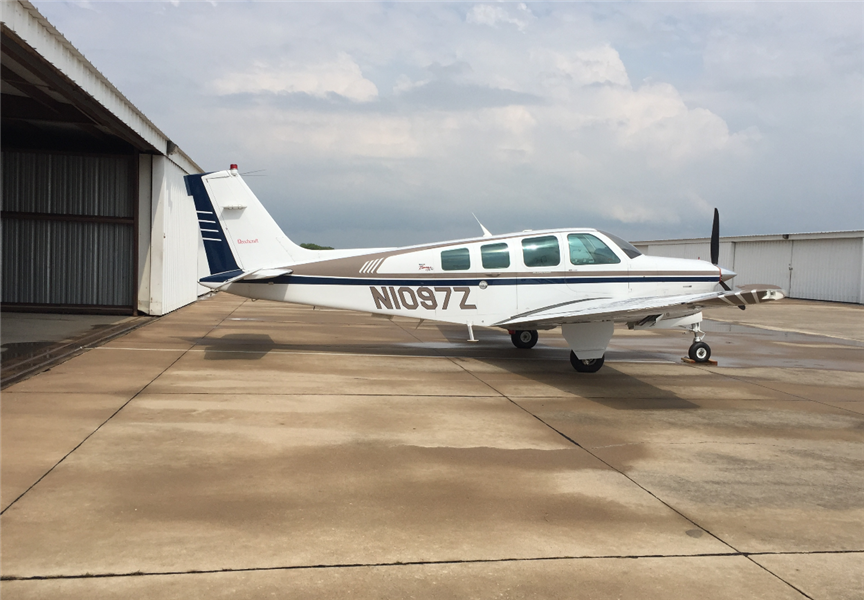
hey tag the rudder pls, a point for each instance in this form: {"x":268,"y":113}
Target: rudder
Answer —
{"x":239,"y":234}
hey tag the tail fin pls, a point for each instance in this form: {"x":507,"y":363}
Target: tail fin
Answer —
{"x":239,"y":234}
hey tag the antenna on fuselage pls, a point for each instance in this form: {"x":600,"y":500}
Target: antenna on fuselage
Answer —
{"x":486,"y":232}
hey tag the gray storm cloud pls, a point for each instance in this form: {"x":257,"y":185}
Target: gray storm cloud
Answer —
{"x":392,"y":123}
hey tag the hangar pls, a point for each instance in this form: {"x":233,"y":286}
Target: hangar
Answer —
{"x":95,"y":213}
{"x":809,"y":266}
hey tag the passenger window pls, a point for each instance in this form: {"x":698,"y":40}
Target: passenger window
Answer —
{"x":455,"y":260}
{"x":495,"y":256}
{"x":541,"y":251}
{"x":585,"y":249}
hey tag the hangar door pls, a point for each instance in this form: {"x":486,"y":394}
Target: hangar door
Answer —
{"x":69,"y":231}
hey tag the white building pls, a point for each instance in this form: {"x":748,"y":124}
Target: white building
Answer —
{"x":810,"y":266}
{"x":95,"y":214}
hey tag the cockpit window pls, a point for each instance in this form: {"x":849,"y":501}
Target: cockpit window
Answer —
{"x":541,"y":251}
{"x":455,"y":260}
{"x":628,"y":248}
{"x":585,"y":249}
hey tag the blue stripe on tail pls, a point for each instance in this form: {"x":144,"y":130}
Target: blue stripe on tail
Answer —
{"x":219,"y":255}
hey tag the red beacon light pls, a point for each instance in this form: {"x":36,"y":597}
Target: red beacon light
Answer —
{"x":233,"y":167}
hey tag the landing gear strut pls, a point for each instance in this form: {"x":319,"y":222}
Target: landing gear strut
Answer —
{"x":699,"y":351}
{"x":524,"y":339}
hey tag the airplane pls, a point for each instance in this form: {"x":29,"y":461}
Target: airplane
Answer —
{"x":581,"y":280}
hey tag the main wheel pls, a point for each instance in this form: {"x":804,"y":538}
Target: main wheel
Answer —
{"x":524,"y":339}
{"x":699,"y":352}
{"x":590,"y":365}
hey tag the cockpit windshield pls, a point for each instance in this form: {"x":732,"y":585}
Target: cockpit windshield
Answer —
{"x":628,"y":248}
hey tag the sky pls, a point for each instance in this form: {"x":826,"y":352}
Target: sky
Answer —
{"x":385,"y":124}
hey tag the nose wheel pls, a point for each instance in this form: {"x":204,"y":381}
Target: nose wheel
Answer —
{"x":699,"y":351}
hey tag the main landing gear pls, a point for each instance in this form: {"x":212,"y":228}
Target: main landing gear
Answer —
{"x":591,"y":365}
{"x":524,"y":339}
{"x":699,"y":351}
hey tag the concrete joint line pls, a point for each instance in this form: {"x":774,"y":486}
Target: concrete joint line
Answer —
{"x":801,"y":398}
{"x":735,"y":551}
{"x":92,"y":433}
{"x":417,"y":563}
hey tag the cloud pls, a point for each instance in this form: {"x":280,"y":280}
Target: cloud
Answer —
{"x":485,"y":14}
{"x":446,"y":95}
{"x":598,"y":65}
{"x":636,"y":117}
{"x":341,"y":76}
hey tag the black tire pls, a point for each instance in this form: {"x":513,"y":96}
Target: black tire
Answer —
{"x":524,"y":339}
{"x":586,"y":366}
{"x":699,"y":352}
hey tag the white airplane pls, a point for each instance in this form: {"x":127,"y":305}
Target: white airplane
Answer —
{"x":582,"y":280}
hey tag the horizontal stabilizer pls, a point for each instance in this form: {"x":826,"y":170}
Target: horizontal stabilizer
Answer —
{"x":220,"y":280}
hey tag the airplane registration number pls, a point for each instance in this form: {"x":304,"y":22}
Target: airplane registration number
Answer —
{"x":429,"y":298}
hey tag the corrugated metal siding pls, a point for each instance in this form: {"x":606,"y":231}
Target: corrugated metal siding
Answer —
{"x":50,"y":260}
{"x":67,"y":184}
{"x":180,"y":250}
{"x":67,"y":263}
{"x":763,"y":262}
{"x":826,"y":269}
{"x":825,"y":266}
{"x":698,"y":251}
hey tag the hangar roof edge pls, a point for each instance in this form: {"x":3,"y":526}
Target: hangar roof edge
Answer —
{"x":24,"y":20}
{"x":770,"y":237}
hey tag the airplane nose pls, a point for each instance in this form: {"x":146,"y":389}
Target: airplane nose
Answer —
{"x":726,"y":274}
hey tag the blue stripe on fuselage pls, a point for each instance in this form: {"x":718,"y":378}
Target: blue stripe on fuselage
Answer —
{"x":317,"y":280}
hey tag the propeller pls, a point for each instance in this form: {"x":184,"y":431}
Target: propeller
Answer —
{"x":715,"y":249}
{"x":715,"y":239}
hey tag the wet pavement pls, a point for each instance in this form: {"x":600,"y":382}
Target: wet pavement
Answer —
{"x":252,"y":449}
{"x":31,"y":342}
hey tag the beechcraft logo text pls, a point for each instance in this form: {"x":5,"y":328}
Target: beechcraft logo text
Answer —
{"x":255,"y":241}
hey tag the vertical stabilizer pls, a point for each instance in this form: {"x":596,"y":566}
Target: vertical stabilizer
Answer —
{"x":239,"y":234}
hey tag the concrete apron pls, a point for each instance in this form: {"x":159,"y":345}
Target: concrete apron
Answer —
{"x":248,"y":449}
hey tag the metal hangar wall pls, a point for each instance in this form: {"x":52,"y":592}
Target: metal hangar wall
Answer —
{"x":810,"y":266}
{"x":95,"y":216}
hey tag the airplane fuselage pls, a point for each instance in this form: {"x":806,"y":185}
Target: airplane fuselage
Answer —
{"x":485,"y":281}
{"x":582,"y":280}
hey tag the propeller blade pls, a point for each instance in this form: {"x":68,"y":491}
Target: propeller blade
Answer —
{"x":715,"y":249}
{"x":715,"y":238}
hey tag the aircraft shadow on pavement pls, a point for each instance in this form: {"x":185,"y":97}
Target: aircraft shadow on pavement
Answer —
{"x":543,"y":365}
{"x":238,"y":346}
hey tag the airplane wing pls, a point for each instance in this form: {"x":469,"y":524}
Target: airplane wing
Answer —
{"x":636,"y":309}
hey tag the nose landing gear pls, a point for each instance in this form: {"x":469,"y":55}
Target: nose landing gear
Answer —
{"x":699,"y":351}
